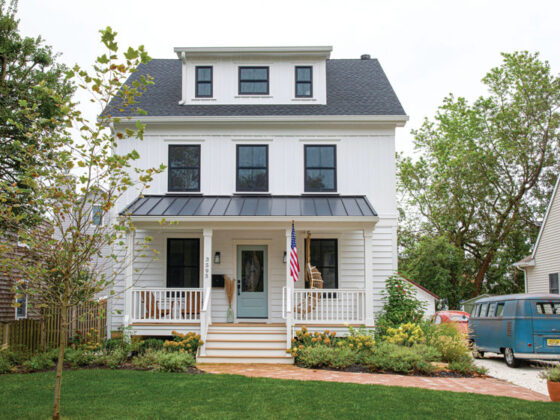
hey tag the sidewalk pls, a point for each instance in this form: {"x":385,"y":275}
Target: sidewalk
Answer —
{"x":488,"y":386}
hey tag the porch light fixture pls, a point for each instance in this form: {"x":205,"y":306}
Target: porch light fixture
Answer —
{"x":217,"y":257}
{"x":285,"y":258}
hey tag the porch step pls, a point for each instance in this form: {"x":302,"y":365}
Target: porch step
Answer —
{"x":245,"y":343}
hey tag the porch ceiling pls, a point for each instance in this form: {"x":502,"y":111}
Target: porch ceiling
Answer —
{"x":170,"y":206}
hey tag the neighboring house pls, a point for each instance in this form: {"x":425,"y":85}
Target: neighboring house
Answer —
{"x":467,"y":305}
{"x":8,"y":311}
{"x":542,"y":267}
{"x":254,"y":138}
{"x":427,"y":297}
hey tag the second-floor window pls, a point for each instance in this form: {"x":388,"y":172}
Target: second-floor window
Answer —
{"x":320,"y":168}
{"x":203,"y":82}
{"x":304,"y":82}
{"x":184,"y":168}
{"x":97,"y":215}
{"x":252,"y":168}
{"x":253,"y":80}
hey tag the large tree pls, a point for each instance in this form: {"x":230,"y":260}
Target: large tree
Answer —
{"x":78,"y":259}
{"x":28,"y":74}
{"x":486,"y":169}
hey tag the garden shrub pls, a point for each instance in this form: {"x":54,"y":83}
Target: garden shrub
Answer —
{"x":15,"y":358}
{"x":323,"y":356}
{"x":466,"y":366}
{"x":117,"y":357}
{"x":405,"y":335}
{"x":150,"y":343}
{"x":87,"y":340}
{"x":5,"y":365}
{"x":114,"y":343}
{"x":79,"y":357}
{"x":39,"y":361}
{"x":449,"y":341}
{"x":401,"y":359}
{"x":400,"y":306}
{"x":175,"y":361}
{"x":189,"y":342}
{"x":359,"y":339}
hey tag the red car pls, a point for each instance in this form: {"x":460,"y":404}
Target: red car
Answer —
{"x":459,"y":318}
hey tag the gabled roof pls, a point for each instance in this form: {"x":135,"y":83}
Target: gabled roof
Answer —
{"x":355,"y":87}
{"x":420,"y":287}
{"x":187,"y":206}
{"x":551,"y":202}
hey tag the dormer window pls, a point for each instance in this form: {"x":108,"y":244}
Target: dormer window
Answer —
{"x":204,"y":81}
{"x":253,"y":81}
{"x":304,"y":81}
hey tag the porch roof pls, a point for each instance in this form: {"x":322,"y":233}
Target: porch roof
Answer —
{"x":239,"y":205}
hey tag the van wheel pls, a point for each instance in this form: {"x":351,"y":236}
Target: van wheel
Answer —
{"x":511,"y":361}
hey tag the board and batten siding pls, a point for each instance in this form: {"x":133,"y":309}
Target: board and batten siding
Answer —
{"x":152,"y":273}
{"x":547,"y":253}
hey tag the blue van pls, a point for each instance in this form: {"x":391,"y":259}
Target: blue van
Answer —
{"x":523,"y":326}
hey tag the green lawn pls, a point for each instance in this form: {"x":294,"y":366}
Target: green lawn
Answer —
{"x":108,"y":394}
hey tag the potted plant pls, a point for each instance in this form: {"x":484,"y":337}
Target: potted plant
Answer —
{"x":552,"y":377}
{"x":229,"y":285}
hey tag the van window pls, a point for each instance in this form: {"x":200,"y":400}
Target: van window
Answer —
{"x":492,"y":310}
{"x":474,"y":311}
{"x":482,"y":312}
{"x":548,"y":308}
{"x":500,"y":309}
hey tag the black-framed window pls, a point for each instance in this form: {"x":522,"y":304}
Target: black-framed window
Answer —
{"x":183,"y":262}
{"x":320,"y":168}
{"x":97,"y":215}
{"x":203,"y":81}
{"x":184,"y":168}
{"x":304,"y":81}
{"x":324,"y":256}
{"x":252,"y":168}
{"x":253,"y":80}
{"x":553,"y":283}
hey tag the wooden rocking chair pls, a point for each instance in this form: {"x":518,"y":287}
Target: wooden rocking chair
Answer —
{"x":311,"y":299}
{"x":152,"y":307}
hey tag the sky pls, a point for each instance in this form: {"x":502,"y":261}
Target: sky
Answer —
{"x":428,"y":49}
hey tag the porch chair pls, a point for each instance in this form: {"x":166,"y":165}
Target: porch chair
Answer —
{"x":152,"y":306}
{"x":311,"y":299}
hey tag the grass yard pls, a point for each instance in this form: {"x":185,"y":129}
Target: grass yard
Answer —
{"x":121,"y":394}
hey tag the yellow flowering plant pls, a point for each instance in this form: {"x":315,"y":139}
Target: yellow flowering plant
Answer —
{"x":405,"y":335}
{"x":304,"y":338}
{"x":189,"y":342}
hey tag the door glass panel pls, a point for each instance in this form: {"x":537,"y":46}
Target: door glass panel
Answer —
{"x":252,"y":271}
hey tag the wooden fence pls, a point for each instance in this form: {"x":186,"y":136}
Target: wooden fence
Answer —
{"x":44,"y":333}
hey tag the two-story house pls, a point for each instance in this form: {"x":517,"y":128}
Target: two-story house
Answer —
{"x":253,"y":139}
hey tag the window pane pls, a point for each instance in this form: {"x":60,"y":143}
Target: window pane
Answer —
{"x":204,"y":74}
{"x":313,"y":157}
{"x":183,"y":263}
{"x":97,"y":215}
{"x":320,"y":156}
{"x":252,"y":179}
{"x":184,"y":156}
{"x":500,"y":309}
{"x":252,"y":156}
{"x":319,"y":179}
{"x":253,"y":73}
{"x":303,"y":89}
{"x":327,"y":157}
{"x":252,"y":271}
{"x":183,"y":179}
{"x":553,"y":283}
{"x":324,"y":257}
{"x":303,"y":74}
{"x":254,"y":87}
{"x":204,"y":89}
{"x":329,"y":277}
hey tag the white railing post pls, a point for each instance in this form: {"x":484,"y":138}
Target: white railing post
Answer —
{"x":289,"y":291}
{"x":368,"y":275}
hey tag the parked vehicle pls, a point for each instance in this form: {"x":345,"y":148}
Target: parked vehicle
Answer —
{"x":522,"y":326}
{"x":459,"y":318}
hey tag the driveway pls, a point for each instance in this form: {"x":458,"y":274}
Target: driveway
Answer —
{"x":526,"y":375}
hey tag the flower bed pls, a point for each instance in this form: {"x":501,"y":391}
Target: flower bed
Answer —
{"x":414,"y":349}
{"x":177,"y":355}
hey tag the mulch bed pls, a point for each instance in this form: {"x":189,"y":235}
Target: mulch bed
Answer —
{"x":440,"y":373}
{"x":127,"y":366}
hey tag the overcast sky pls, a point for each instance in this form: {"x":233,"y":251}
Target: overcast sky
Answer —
{"x":427,"y":48}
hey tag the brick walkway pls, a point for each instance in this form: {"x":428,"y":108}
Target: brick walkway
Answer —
{"x":488,"y":386}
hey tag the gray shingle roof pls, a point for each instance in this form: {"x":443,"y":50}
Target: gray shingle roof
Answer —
{"x":170,"y":205}
{"x":354,"y":87}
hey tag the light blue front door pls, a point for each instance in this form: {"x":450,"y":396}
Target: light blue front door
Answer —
{"x":252,"y":268}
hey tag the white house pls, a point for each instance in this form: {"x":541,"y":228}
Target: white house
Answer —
{"x":542,"y":267}
{"x":254,"y":138}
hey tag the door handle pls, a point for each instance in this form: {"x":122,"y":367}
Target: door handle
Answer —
{"x":238,"y":287}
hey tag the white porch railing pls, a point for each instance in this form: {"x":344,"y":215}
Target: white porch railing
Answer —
{"x":205,"y":319}
{"x":166,"y":305}
{"x":324,"y":306}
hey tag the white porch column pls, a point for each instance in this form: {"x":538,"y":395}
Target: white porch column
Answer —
{"x":128,"y":276}
{"x":289,"y":290}
{"x":207,"y":259}
{"x":206,"y":312}
{"x":368,"y":274}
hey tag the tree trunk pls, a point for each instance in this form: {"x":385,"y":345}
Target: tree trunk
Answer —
{"x":482,"y":272}
{"x":60,"y":363}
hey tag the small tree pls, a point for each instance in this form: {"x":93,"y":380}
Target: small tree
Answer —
{"x":400,"y":305}
{"x":80,"y":259}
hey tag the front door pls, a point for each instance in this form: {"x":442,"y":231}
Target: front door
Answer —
{"x":252,"y":269}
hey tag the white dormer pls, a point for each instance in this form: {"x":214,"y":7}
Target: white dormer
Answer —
{"x":254,"y":75}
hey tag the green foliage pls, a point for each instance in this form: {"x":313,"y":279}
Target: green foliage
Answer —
{"x":80,"y":357}
{"x":323,"y":356}
{"x":400,"y":305}
{"x":117,"y":357}
{"x":552,"y":374}
{"x":113,"y":343}
{"x":466,"y":367}
{"x":5,"y":364}
{"x":39,"y":361}
{"x":407,"y":334}
{"x":388,"y":357}
{"x":189,"y":342}
{"x":484,"y":176}
{"x":449,"y":341}
{"x":150,"y":343}
{"x":438,"y":265}
{"x":175,"y":361}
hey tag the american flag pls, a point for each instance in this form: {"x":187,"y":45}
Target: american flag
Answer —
{"x":294,"y":263}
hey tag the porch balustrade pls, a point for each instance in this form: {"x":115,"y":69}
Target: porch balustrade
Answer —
{"x":166,"y":305}
{"x":326,"y":306}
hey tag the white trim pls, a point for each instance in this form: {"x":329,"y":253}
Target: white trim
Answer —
{"x":554,"y":192}
{"x":180,"y":140}
{"x":188,"y":52}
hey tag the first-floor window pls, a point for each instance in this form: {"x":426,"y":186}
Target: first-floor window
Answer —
{"x":21,"y":306}
{"x":553,"y":283}
{"x":324,"y":256}
{"x":183,"y":262}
